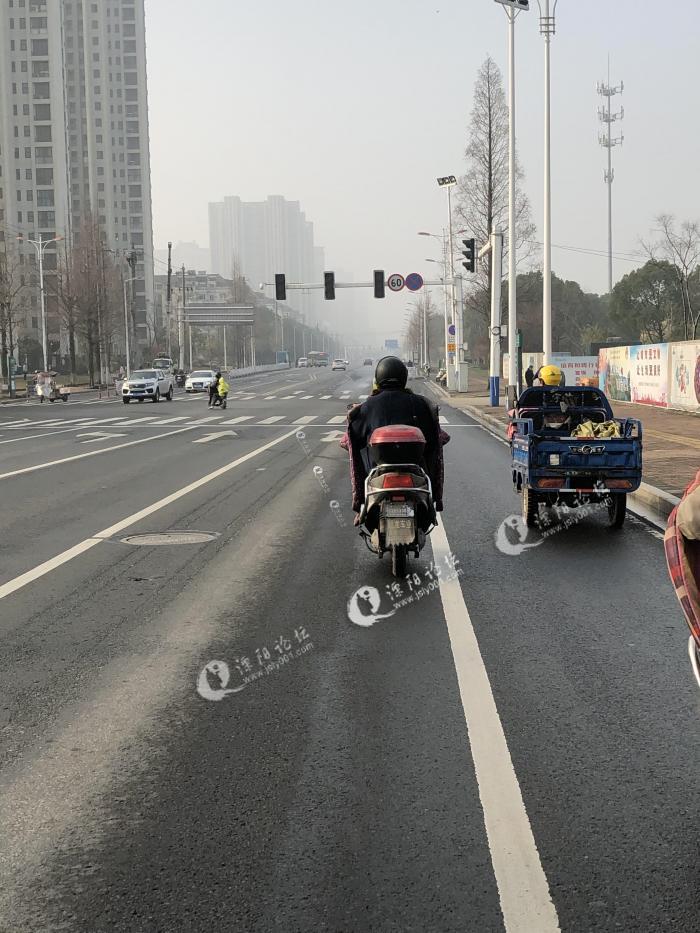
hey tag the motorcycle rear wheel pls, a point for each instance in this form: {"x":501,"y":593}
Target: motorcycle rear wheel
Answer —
{"x":399,"y":560}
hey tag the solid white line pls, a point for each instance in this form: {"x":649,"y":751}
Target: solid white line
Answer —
{"x":90,"y":453}
{"x":239,"y":420}
{"x":526,"y":901}
{"x":42,"y":569}
{"x":338,"y":419}
{"x":273,"y":419}
{"x":306,"y":419}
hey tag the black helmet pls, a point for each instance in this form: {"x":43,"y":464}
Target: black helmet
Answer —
{"x":391,"y":372}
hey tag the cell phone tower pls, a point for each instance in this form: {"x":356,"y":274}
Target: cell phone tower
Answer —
{"x":608,"y":141}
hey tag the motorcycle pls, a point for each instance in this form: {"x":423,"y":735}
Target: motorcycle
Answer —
{"x":180,"y":380}
{"x":398,"y":512}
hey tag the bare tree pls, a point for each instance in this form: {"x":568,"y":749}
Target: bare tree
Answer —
{"x":680,"y":246}
{"x":482,"y":202}
{"x":12,"y":285}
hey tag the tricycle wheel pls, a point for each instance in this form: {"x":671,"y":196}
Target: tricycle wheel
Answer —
{"x":617,"y":509}
{"x":530,"y":507}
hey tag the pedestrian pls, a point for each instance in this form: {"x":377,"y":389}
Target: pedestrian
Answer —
{"x":214,"y":390}
{"x":222,"y":391}
{"x":529,"y":376}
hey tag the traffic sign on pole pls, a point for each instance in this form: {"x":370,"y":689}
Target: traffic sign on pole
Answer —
{"x":452,"y":330}
{"x":396,"y":282}
{"x":414,"y":282}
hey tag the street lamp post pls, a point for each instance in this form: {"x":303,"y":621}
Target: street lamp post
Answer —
{"x":127,"y":342}
{"x":40,"y":246}
{"x":547,"y":29}
{"x":449,"y":182}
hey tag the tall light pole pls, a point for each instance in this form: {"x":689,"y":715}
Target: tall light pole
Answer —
{"x":547,"y":29}
{"x":127,"y":342}
{"x":511,"y":9}
{"x":40,"y":246}
{"x":608,"y":141}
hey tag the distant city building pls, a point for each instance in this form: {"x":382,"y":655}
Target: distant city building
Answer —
{"x":189,"y":255}
{"x":74,"y":131}
{"x":200,"y":288}
{"x":257,"y":239}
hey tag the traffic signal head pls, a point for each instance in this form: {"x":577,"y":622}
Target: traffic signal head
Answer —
{"x":329,"y":283}
{"x":281,"y":287}
{"x":379,"y":280}
{"x":469,"y":253}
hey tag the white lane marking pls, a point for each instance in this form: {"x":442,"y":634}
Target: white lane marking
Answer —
{"x":305,"y":398}
{"x":325,"y":396}
{"x":6,"y":589}
{"x":337,"y":419}
{"x":172,"y":420}
{"x":91,"y":453}
{"x":208,"y":420}
{"x":526,"y":901}
{"x":306,"y":419}
{"x":239,"y":420}
{"x":98,"y":436}
{"x":273,"y":419}
{"x":213,"y":437}
{"x":364,"y":397}
{"x":443,"y":420}
{"x":298,"y":391}
{"x":269,"y":398}
{"x":331,"y":436}
{"x":285,"y":397}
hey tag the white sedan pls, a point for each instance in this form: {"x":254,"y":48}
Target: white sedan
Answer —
{"x":200,"y":380}
{"x":339,"y":364}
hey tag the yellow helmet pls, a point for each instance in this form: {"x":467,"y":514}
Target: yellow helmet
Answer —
{"x":550,"y":376}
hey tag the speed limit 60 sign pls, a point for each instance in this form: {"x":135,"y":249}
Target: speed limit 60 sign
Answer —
{"x":396,"y":282}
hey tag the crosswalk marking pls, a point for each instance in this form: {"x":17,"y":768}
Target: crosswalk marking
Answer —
{"x":273,"y":419}
{"x":443,"y":420}
{"x":325,"y":396}
{"x":270,"y":398}
{"x":337,"y":419}
{"x":239,"y":420}
{"x":305,"y":397}
{"x":299,"y":391}
{"x":306,"y":419}
{"x":173,"y":420}
{"x":285,"y":397}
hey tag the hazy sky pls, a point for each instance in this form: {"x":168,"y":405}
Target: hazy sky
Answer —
{"x":355,"y":108}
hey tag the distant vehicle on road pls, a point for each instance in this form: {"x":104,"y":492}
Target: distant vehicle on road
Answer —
{"x":152,"y":384}
{"x":339,"y":364}
{"x":164,"y":362}
{"x":318,"y":358}
{"x":47,"y":388}
{"x":200,"y":380}
{"x":368,"y":362}
{"x":302,"y":362}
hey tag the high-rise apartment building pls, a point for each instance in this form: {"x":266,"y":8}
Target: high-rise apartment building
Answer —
{"x":256,"y":239}
{"x":74,"y":137}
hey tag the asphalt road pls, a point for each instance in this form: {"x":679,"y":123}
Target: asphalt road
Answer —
{"x":515,"y":749}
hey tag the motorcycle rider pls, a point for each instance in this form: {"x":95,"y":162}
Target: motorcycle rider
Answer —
{"x":392,"y":403}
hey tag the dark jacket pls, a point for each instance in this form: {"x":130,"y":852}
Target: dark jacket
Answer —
{"x":395,"y":406}
{"x":529,"y":376}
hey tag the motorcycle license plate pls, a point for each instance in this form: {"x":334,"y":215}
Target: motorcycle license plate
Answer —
{"x":398,"y":510}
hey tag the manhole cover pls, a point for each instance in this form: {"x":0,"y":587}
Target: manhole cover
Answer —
{"x":171,"y":537}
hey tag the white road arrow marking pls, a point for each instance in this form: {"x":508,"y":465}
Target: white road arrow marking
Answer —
{"x":214,"y":437}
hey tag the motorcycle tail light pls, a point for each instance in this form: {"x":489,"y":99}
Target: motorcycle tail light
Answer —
{"x":402,"y":480}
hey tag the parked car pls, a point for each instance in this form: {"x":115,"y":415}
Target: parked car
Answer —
{"x":339,"y":364}
{"x":152,"y":384}
{"x":200,"y":380}
{"x":302,"y":362}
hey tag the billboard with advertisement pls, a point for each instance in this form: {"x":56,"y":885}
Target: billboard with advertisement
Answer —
{"x":649,"y":374}
{"x":614,"y":375}
{"x":685,"y":376}
{"x":575,"y":368}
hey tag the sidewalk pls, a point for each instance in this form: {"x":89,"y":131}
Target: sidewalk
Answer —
{"x":671,"y":438}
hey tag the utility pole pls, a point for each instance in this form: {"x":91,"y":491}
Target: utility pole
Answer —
{"x":607,"y":141}
{"x":547,"y":30}
{"x":181,"y":333}
{"x":169,"y":297}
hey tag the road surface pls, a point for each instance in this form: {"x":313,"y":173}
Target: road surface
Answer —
{"x":513,"y":749}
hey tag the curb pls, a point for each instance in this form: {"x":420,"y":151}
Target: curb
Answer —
{"x":647,"y":499}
